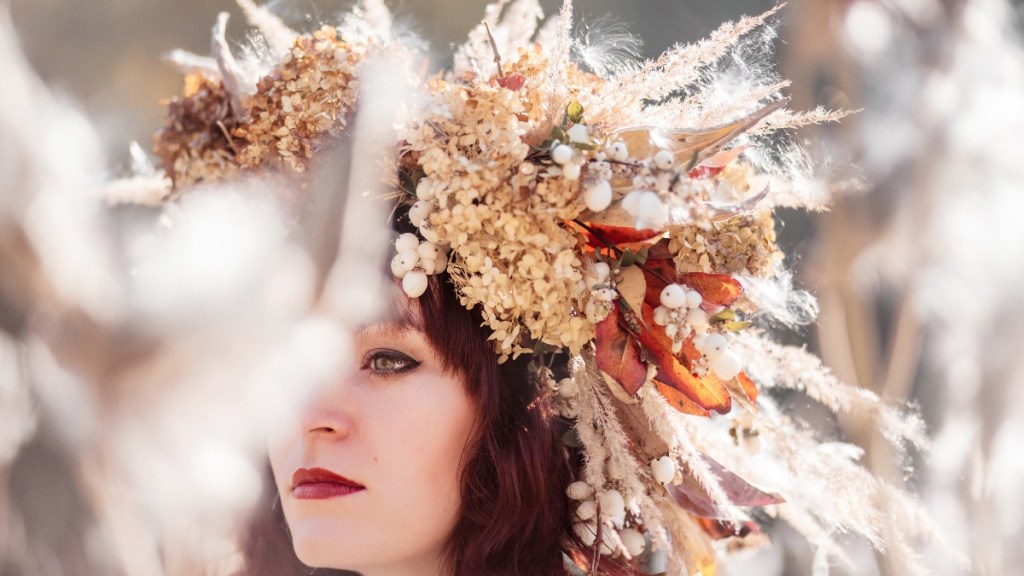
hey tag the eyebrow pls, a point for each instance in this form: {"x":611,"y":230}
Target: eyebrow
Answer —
{"x":389,"y":329}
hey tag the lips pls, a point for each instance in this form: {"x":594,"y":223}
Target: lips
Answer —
{"x":319,"y":484}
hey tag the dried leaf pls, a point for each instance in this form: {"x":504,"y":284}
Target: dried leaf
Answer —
{"x":692,"y":496}
{"x":632,"y":286}
{"x":679,"y":401}
{"x":602,"y":235}
{"x":618,"y":354}
{"x":658,"y":273}
{"x":513,"y":82}
{"x":708,"y":394}
{"x":717,"y":289}
{"x":574,"y":112}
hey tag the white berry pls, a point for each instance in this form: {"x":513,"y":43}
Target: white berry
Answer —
{"x":586,"y":532}
{"x":579,"y":490}
{"x":618,"y":151}
{"x":663,"y":159}
{"x":571,"y":172}
{"x":671,"y":330}
{"x":415,"y":283}
{"x":579,"y":134}
{"x":428,"y":251}
{"x":663,"y":469}
{"x":433,"y":266}
{"x":407,"y":259}
{"x":613,"y":506}
{"x":406,"y":241}
{"x":586,"y":510}
{"x":697,"y":318}
{"x":419,"y":212}
{"x":561,"y":154}
{"x":598,"y":195}
{"x":693,"y":299}
{"x":396,"y":267}
{"x":633,"y":541}
{"x":630,"y":201}
{"x":727,"y":366}
{"x":567,"y":388}
{"x":661,"y":316}
{"x":673,"y":296}
{"x":714,"y":345}
{"x":651,"y":212}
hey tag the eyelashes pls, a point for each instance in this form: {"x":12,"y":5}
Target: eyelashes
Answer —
{"x":388,"y":363}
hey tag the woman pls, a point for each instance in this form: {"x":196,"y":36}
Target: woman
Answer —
{"x":570,"y":225}
{"x":428,"y":458}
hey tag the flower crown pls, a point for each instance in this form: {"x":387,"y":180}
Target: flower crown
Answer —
{"x":625,"y":218}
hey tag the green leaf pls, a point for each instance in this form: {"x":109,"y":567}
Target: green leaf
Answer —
{"x":628,"y":258}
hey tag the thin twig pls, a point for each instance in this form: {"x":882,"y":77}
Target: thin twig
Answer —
{"x":618,"y":251}
{"x":494,"y":47}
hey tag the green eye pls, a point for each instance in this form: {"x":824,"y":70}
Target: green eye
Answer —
{"x":388,"y":362}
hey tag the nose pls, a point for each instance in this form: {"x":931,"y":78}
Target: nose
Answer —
{"x":329,"y":413}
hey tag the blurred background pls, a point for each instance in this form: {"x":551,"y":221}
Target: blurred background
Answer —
{"x":918,"y":270}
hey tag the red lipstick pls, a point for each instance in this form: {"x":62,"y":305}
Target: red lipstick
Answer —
{"x":319,"y":484}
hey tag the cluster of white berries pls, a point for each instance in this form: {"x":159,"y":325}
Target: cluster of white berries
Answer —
{"x":681,"y":315}
{"x":608,"y":508}
{"x":416,"y":260}
{"x":602,"y":291}
{"x":565,"y":155}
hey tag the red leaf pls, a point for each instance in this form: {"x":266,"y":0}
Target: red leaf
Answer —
{"x":618,"y":354}
{"x":618,"y":235}
{"x":513,"y":82}
{"x":702,"y":172}
{"x":693,"y":497}
{"x":708,"y":394}
{"x":718,"y":289}
{"x":679,"y":401}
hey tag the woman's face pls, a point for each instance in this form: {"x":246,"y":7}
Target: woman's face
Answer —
{"x":369,"y":479}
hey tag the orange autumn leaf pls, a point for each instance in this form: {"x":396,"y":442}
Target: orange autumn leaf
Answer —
{"x":720,"y":529}
{"x":718,"y":289}
{"x":709,"y":395}
{"x":679,"y":401}
{"x":618,"y":354}
{"x":513,"y":82}
{"x":749,"y":388}
{"x":658,"y":273}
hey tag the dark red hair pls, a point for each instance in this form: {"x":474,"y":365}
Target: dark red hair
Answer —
{"x":515,"y":517}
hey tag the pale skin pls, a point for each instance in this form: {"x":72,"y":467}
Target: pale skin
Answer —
{"x":398,"y":424}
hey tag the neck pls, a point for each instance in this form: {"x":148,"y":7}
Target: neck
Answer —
{"x":420,"y":566}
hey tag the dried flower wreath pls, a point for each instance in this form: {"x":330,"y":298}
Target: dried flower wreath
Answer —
{"x":621,"y":213}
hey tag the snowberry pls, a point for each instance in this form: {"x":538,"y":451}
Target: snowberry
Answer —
{"x":663,"y":469}
{"x":567,"y":389}
{"x":663,"y":159}
{"x":396,"y":266}
{"x":586,"y":510}
{"x":561,"y":154}
{"x":673,"y":296}
{"x":713,"y":345}
{"x":419,"y":212}
{"x":586,"y":532}
{"x":661,"y":316}
{"x":618,"y":151}
{"x":406,"y":241}
{"x":671,"y":330}
{"x":428,"y":251}
{"x":693,"y":299}
{"x":598,"y":195}
{"x":651,"y":212}
{"x":630,"y":201}
{"x":415,"y":283}
{"x":727,"y":366}
{"x":571,"y":171}
{"x":697,"y":318}
{"x":579,"y":134}
{"x":407,"y":259}
{"x":633,"y":541}
{"x":579,"y":490}
{"x":613,"y":506}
